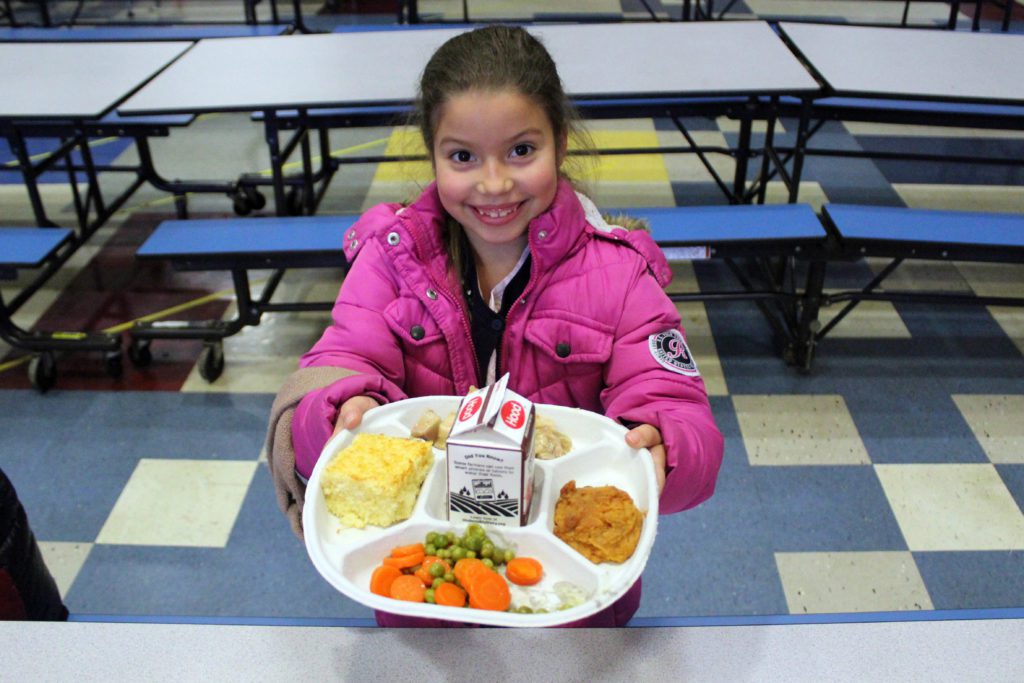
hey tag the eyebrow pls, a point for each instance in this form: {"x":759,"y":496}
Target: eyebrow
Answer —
{"x":448,"y":140}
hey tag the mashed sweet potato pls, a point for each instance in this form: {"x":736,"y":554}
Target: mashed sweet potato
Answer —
{"x":601,"y":522}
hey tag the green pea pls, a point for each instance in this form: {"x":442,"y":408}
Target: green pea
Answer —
{"x":429,"y":595}
{"x":450,"y":536}
{"x":436,"y":569}
{"x":431,"y":538}
{"x":429,"y":549}
{"x":488,"y":562}
{"x":449,"y":577}
{"x":474,"y":530}
{"x":509,"y":556}
{"x":437,"y":582}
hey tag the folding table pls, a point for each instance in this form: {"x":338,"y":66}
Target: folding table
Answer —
{"x":619,"y":66}
{"x":66,"y":90}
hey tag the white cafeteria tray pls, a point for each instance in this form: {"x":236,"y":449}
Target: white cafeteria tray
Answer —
{"x":346,"y":557}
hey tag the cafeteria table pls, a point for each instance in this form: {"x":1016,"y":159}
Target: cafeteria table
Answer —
{"x":893,"y":75}
{"x":906,"y":76}
{"x":819,"y":648}
{"x":64,"y":90}
{"x":68,"y":90}
{"x":726,"y":64}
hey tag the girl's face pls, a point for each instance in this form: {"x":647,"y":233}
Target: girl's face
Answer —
{"x":496,"y":162}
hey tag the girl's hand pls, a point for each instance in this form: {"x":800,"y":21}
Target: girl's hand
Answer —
{"x":350,"y":415}
{"x":647,"y":436}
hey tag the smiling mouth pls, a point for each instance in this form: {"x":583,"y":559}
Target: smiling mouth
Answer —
{"x":498,"y":214}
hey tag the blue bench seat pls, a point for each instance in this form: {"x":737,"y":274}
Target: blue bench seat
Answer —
{"x":734,"y":230}
{"x":926,"y":233}
{"x":30,"y":247}
{"x":260,"y":242}
{"x":239,"y":245}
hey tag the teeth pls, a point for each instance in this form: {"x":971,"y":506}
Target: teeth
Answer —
{"x":496,"y":213}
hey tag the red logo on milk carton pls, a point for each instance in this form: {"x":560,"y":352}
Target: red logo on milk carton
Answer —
{"x":469,"y":410}
{"x":513,"y":415}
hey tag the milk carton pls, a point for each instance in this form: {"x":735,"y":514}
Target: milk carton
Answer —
{"x":490,"y":458}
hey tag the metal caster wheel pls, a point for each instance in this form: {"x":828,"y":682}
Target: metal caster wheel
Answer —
{"x":295,"y":201}
{"x":42,"y":371}
{"x":255,"y":198}
{"x":139,"y":353}
{"x":241,"y":205}
{"x":113,"y":362}
{"x":211,"y":362}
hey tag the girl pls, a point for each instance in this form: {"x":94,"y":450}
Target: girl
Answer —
{"x":500,"y":266}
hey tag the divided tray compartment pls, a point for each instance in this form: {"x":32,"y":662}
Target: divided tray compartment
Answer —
{"x":346,"y":557}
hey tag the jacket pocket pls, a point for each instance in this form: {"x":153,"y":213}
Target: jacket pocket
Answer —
{"x":410,"y":321}
{"x":569,"y":341}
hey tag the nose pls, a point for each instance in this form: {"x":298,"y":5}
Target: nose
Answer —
{"x":494,"y":179}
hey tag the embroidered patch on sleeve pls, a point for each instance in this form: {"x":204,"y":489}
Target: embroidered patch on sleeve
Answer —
{"x":670,"y":350}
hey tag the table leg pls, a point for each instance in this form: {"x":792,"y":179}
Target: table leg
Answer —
{"x":276,"y":161}
{"x":16,"y":141}
{"x":94,"y":197}
{"x":807,"y":329}
{"x":44,"y":13}
{"x":739,"y":184}
{"x":308,"y":186}
{"x":800,"y":149}
{"x":769,"y":141}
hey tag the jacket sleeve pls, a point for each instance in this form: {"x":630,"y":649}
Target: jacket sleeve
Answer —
{"x":360,"y":340}
{"x":641,"y":390}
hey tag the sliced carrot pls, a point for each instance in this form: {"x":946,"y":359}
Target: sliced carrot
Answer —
{"x":450,"y":595}
{"x":424,"y":571}
{"x":381,"y":579}
{"x":489,"y":591}
{"x":466,"y":569}
{"x":404,"y":561}
{"x":524,"y":571}
{"x":412,"y":549}
{"x":408,"y":587}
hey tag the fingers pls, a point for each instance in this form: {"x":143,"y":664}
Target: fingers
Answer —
{"x":643,"y":436}
{"x":647,"y":436}
{"x":350,"y":415}
{"x":658,"y":455}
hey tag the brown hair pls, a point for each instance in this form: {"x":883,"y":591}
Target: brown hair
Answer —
{"x":494,"y":58}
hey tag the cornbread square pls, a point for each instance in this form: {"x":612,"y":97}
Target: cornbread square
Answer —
{"x":376,"y":479}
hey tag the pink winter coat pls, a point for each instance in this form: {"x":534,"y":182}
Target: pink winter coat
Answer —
{"x":593,"y":329}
